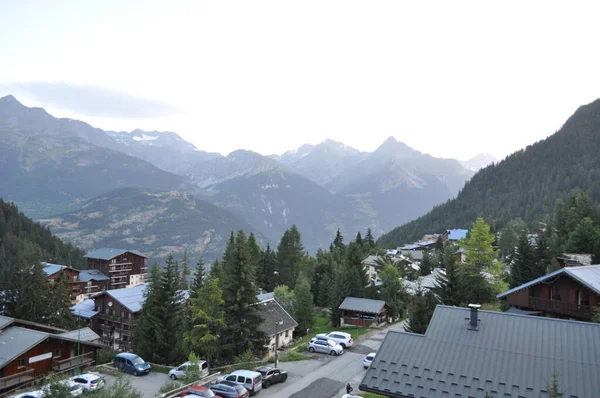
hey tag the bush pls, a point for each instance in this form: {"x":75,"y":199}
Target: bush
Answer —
{"x":121,"y":388}
{"x":106,"y":355}
{"x":169,"y":386}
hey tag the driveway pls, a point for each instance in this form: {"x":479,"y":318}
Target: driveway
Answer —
{"x":326,"y":376}
{"x":148,"y":384}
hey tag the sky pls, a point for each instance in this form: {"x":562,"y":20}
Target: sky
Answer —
{"x":452,"y":79}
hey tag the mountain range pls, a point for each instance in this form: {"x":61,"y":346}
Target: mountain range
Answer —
{"x":524,"y":185}
{"x":58,"y":169}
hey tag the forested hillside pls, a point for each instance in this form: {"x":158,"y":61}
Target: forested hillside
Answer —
{"x":526,"y":184}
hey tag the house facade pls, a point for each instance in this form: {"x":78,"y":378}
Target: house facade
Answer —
{"x":55,"y":271}
{"x":124,"y":268}
{"x":570,"y":292}
{"x":363,"y":312}
{"x":30,"y":351}
{"x":276,"y":322}
{"x":92,"y":281}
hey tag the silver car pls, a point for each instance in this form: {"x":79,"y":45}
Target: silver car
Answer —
{"x":325,"y":346}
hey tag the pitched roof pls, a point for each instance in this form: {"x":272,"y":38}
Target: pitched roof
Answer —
{"x":457,"y":234}
{"x":265,"y":296}
{"x":271,"y":312}
{"x":588,"y":276}
{"x":426,"y":283}
{"x":51,"y":269}
{"x":574,"y":259}
{"x":107,"y":254}
{"x":5,"y":321}
{"x":509,"y":355}
{"x":85,"y":309}
{"x":131,"y":298}
{"x":83,"y":334}
{"x":362,"y":305}
{"x":89,"y":274}
{"x":16,"y":340}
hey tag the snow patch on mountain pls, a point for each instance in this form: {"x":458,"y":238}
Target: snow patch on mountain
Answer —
{"x":146,"y":137}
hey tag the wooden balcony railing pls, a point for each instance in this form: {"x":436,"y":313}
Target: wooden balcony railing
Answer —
{"x":69,"y":363}
{"x":561,"y":307}
{"x":16,"y":379}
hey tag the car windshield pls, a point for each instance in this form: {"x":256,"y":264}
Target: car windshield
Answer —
{"x":209,"y":394}
{"x":262,"y":372}
{"x":370,"y":358}
{"x":138,"y":361}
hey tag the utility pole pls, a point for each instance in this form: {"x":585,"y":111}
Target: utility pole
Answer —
{"x":277,"y":324}
{"x":78,"y":342}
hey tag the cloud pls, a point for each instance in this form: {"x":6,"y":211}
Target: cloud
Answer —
{"x":89,"y":100}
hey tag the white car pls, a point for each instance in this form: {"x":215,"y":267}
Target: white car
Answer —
{"x":29,"y":394}
{"x":342,"y":338}
{"x":180,"y":371}
{"x":75,"y":389}
{"x":89,"y":381}
{"x":369,"y":360}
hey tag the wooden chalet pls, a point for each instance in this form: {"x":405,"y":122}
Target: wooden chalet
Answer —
{"x":55,"y":271}
{"x":29,"y":351}
{"x":570,"y":292}
{"x":363,"y":312}
{"x":125,"y":268}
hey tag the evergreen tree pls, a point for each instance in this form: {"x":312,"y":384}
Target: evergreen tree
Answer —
{"x":267,"y":266}
{"x":369,"y":240}
{"x":59,"y":311}
{"x":480,"y":252}
{"x":339,"y":240}
{"x":239,"y":295}
{"x":198,"y":279}
{"x":342,"y":287}
{"x":168,"y":347}
{"x":216,"y":270}
{"x":392,"y":290}
{"x":34,"y":296}
{"x":254,"y":252}
{"x":439,"y":244}
{"x":523,"y":267}
{"x":359,"y":239}
{"x":303,"y":303}
{"x":427,"y":264}
{"x":354,"y":260}
{"x":321,"y":281}
{"x":147,"y":331}
{"x":423,"y":307}
{"x":207,"y":321}
{"x":448,"y":283}
{"x":542,"y":251}
{"x":290,"y":253}
{"x":584,"y":238}
{"x":185,"y":272}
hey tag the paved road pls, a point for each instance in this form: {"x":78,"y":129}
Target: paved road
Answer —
{"x":326,"y":376}
{"x":148,"y":384}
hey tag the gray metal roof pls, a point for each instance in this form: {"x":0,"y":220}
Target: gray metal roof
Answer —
{"x":265,"y":296}
{"x":85,"y":309}
{"x":107,"y":254}
{"x":426,"y":283}
{"x":16,"y":340}
{"x":362,"y":305}
{"x":131,"y":297}
{"x":83,"y":334}
{"x":587,"y":275}
{"x":88,"y":274}
{"x":508,"y":356}
{"x":5,"y":321}
{"x":271,"y":312}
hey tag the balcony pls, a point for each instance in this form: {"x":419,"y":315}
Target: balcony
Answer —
{"x":561,"y":307}
{"x":16,"y":379}
{"x":73,"y":362}
{"x":120,"y":268}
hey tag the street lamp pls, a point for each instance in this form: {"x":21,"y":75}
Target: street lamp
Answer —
{"x":277,"y":324}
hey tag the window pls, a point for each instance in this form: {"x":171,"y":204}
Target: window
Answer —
{"x":286,"y":333}
{"x":22,"y":363}
{"x":56,"y":353}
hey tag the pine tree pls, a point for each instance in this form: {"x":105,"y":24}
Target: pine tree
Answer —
{"x":426,"y":264}
{"x":34,"y":296}
{"x":303,"y":303}
{"x":354,"y":260}
{"x":216,"y":270}
{"x":423,"y":307}
{"x":523,"y":262}
{"x":207,"y":321}
{"x":239,"y":295}
{"x":198,"y":279}
{"x":185,"y":272}
{"x":584,"y":238}
{"x":369,"y":240}
{"x":339,"y":240}
{"x":267,"y":266}
{"x":168,"y":347}
{"x":290,"y":253}
{"x":439,"y":244}
{"x":359,"y":239}
{"x":254,"y":252}
{"x":480,"y":252}
{"x":59,"y":311}
{"x":448,"y":283}
{"x":148,"y":329}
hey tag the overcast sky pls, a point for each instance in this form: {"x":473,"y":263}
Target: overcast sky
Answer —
{"x":450,"y":78}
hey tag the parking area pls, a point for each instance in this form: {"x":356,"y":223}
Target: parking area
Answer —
{"x":148,"y":384}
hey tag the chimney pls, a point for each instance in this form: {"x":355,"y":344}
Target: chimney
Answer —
{"x":473,"y":320}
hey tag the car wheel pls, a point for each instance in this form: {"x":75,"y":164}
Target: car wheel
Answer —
{"x":284,"y":378}
{"x":267,"y":384}
{"x":135,"y":373}
{"x":310,"y":349}
{"x":332,"y":352}
{"x":343,"y":346}
{"x":173,"y":377}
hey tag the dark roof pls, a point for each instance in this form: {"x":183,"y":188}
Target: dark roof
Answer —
{"x":107,"y":254}
{"x":588,"y":276}
{"x":272,"y":312}
{"x":362,"y":305}
{"x":51,"y":269}
{"x":507,"y":356}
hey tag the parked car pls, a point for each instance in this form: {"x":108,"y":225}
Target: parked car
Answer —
{"x":271,"y":375}
{"x":89,"y":381}
{"x":198,"y":391}
{"x":325,"y":346}
{"x":29,"y":394}
{"x":180,"y":371}
{"x":228,"y":389}
{"x":342,"y":338}
{"x":131,"y":363}
{"x":252,"y":381}
{"x":75,"y":389}
{"x":369,"y":360}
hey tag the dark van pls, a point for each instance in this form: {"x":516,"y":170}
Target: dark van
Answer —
{"x":131,"y":363}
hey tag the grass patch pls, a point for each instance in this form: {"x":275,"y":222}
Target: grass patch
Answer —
{"x":371,"y":395}
{"x":160,"y":368}
{"x":292,"y":356}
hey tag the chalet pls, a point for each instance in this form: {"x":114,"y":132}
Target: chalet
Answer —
{"x":363,"y":312}
{"x":574,"y":259}
{"x":54,"y":271}
{"x":570,"y":292}
{"x":424,"y":283}
{"x":125,"y":268}
{"x":30,"y":351}
{"x":92,"y":281}
{"x":471,"y":353}
{"x":460,"y":255}
{"x":276,"y":322}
